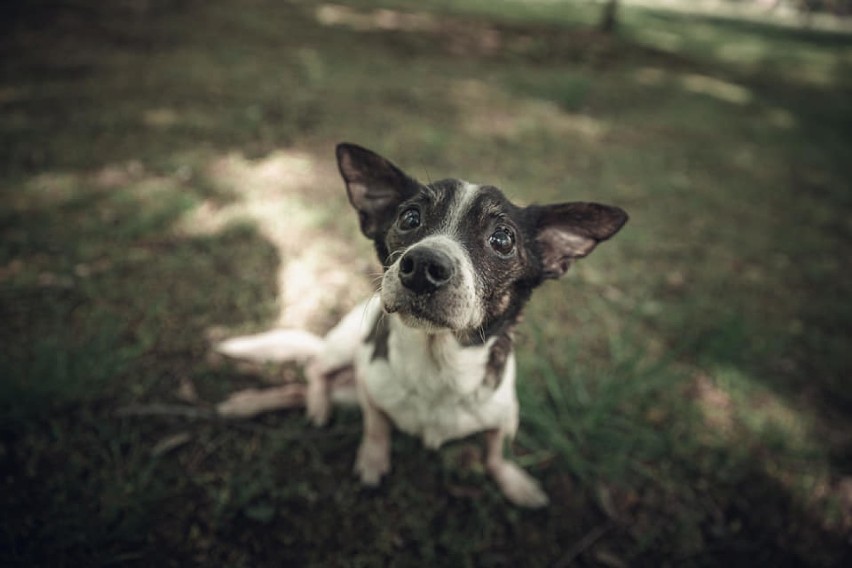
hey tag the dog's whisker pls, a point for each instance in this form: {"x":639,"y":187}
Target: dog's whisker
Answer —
{"x":364,"y":311}
{"x":383,"y":317}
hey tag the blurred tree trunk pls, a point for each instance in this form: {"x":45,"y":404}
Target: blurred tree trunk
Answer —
{"x":609,"y":20}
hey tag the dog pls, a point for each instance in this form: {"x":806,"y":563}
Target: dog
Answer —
{"x":431,"y":353}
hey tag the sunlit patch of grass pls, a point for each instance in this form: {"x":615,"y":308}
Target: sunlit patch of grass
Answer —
{"x":744,"y":45}
{"x":721,"y":90}
{"x":541,"y":11}
{"x":739,"y":410}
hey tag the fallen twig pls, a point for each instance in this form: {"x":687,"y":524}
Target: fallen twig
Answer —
{"x":583,"y":544}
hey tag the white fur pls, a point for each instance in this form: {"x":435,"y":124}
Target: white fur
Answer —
{"x":456,"y":215}
{"x":275,"y":345}
{"x":432,"y":387}
{"x":340,"y":345}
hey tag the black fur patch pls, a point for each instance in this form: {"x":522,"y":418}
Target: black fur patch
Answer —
{"x":434,"y":203}
{"x":506,"y":281}
{"x":379,"y":337}
{"x":497,"y":358}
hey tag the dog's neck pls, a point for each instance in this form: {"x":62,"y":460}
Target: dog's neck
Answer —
{"x":467,"y":364}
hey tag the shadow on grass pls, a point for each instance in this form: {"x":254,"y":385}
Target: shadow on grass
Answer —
{"x":104,"y":305}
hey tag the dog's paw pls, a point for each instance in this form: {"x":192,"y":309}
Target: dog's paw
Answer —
{"x":519,"y":487}
{"x":372,"y":463}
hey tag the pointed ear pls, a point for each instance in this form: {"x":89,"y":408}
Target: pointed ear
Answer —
{"x":567,"y":231}
{"x":375,"y":187}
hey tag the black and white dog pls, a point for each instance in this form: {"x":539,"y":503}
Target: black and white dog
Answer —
{"x":431,"y":352}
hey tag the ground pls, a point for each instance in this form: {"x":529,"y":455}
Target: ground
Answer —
{"x":168,"y":179}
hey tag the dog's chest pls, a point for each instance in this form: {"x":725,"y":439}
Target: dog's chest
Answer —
{"x":432,"y":387}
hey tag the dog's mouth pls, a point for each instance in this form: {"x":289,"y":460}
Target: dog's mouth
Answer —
{"x":418,"y":315}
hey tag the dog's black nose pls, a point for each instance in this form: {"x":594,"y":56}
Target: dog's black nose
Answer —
{"x":423,"y":270}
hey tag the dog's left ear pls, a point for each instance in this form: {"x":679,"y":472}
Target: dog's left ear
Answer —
{"x":375,"y":186}
{"x":567,"y":231}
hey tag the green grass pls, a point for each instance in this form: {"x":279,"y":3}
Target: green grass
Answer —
{"x":167,"y":178}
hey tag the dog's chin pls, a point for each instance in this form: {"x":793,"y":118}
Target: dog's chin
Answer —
{"x":418,"y":314}
{"x":427,"y":325}
{"x":416,"y":318}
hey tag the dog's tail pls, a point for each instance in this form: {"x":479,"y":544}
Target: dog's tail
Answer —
{"x":277,"y":346}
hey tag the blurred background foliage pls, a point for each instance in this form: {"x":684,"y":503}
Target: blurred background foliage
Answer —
{"x":168,"y":179}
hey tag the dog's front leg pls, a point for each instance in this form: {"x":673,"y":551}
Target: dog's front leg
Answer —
{"x":518,"y":486}
{"x":374,"y":453}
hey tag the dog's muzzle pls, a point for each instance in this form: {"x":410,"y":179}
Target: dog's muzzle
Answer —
{"x":424,"y":270}
{"x":432,"y":285}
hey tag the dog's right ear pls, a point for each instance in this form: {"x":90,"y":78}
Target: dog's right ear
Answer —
{"x":375,"y":187}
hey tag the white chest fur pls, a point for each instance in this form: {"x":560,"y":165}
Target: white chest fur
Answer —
{"x":432,"y":387}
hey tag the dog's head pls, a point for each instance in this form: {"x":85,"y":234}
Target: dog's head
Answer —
{"x":462,"y":257}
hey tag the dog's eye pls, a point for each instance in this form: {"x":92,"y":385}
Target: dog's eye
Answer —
{"x":502,"y":241}
{"x":409,"y":219}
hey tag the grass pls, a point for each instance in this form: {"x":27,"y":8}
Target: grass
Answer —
{"x":167,"y":178}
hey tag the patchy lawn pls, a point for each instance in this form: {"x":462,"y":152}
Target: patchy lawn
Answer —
{"x":168,"y":178}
